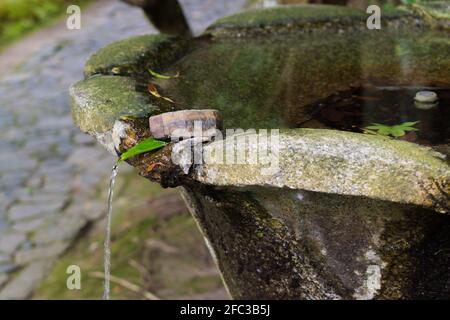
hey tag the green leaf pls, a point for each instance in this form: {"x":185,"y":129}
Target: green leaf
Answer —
{"x":397,"y":131}
{"x":160,"y":76}
{"x":144,"y":146}
{"x":409,"y":124}
{"x":409,"y":129}
{"x":394,"y":131}
{"x":375,"y":127}
{"x":384,"y":131}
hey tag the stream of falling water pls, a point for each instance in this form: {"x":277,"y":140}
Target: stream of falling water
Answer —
{"x":107,"y":245}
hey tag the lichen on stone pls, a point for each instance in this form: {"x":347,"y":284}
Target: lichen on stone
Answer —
{"x":134,"y":55}
{"x":99,"y":101}
{"x":326,"y":161}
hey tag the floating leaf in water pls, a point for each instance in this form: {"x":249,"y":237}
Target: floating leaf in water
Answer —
{"x":161,"y":76}
{"x":146,"y":145}
{"x":154,"y":91}
{"x":396,"y":131}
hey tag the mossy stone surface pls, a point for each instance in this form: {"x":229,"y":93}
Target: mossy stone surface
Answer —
{"x":266,"y":81}
{"x":280,"y":243}
{"x":296,"y":18}
{"x":336,"y":162}
{"x":281,"y":15}
{"x":99,"y":101}
{"x":436,"y":13}
{"x":129,"y":55}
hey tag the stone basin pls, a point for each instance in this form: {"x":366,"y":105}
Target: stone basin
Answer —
{"x":345,"y":215}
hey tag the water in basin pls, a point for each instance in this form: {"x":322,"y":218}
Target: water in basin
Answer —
{"x":324,"y":79}
{"x":355,"y":109}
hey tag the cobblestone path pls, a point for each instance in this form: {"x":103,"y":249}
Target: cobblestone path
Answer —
{"x":52,"y":177}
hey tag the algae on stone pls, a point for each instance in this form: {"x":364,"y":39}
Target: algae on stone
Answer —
{"x":326,"y":161}
{"x":99,"y":101}
{"x":265,"y":82}
{"x":133,"y":54}
{"x":436,"y":13}
{"x":298,"y":18}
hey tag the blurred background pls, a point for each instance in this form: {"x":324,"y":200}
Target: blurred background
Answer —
{"x":54,"y":179}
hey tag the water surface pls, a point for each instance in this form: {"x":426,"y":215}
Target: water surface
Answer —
{"x":284,"y":81}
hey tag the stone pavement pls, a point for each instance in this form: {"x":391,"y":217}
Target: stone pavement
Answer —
{"x":53,"y":178}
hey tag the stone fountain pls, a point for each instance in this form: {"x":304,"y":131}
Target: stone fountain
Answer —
{"x":345,"y":215}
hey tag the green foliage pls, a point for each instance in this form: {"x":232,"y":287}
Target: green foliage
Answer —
{"x":146,"y":145}
{"x":388,"y":7}
{"x":21,"y":16}
{"x":396,"y":131}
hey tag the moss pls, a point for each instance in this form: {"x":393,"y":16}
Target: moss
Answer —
{"x":134,"y":54}
{"x":401,"y":149}
{"x":326,"y":161}
{"x":261,"y":81}
{"x":265,"y":82}
{"x":99,"y":101}
{"x":286,"y":15}
{"x":257,"y":260}
{"x":297,"y":18}
{"x":436,"y":13}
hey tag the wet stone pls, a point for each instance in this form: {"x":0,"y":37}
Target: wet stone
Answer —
{"x":38,"y":147}
{"x":89,"y":179}
{"x":3,"y":279}
{"x":4,"y":258}
{"x":62,"y":187}
{"x":10,"y":241}
{"x":3,"y":223}
{"x":21,"y":286}
{"x":9,"y":196}
{"x":13,"y":180}
{"x":21,"y":162}
{"x":7,"y":268}
{"x":65,"y":230}
{"x":79,"y":156}
{"x":4,"y":202}
{"x":64,"y":149}
{"x":55,"y":123}
{"x":83,"y":139}
{"x":34,"y":182}
{"x":58,"y":177}
{"x":38,"y":195}
{"x":29,"y":225}
{"x":42,"y":252}
{"x":94,"y":210}
{"x":47,"y":170}
{"x":23,"y":211}
{"x":18,"y":212}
